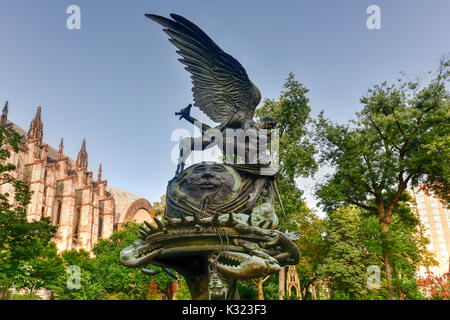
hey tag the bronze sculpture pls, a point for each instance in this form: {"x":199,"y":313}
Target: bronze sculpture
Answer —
{"x":220,"y":221}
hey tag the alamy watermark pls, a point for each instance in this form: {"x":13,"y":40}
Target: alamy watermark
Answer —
{"x":374,"y":277}
{"x":74,"y":280}
{"x":374,"y":20}
{"x":73,"y":22}
{"x":252,"y":145}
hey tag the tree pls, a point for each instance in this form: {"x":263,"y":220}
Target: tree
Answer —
{"x":399,"y":139}
{"x":406,"y":245}
{"x":158,"y":207}
{"x":21,"y":241}
{"x":345,"y":263}
{"x":313,"y":249}
{"x":353,"y":243}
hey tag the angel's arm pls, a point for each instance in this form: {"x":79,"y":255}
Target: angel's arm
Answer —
{"x":186,"y":114}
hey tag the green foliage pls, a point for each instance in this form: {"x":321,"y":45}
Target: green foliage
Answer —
{"x":313,"y":250}
{"x":104,"y":277}
{"x":80,"y":258}
{"x":26,"y":296}
{"x":399,"y":139}
{"x":270,"y":288}
{"x":344,"y":264}
{"x":353,"y":243}
{"x":90,"y":288}
{"x":183,"y":292}
{"x":401,"y":136}
{"x":291,"y":112}
{"x":42,"y":271}
{"x":247,"y":290}
{"x":406,"y":246}
{"x":115,"y":276}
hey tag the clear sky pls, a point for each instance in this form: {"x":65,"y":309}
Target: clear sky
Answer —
{"x":117,"y":83}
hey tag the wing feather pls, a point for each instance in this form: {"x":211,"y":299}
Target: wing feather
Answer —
{"x":220,"y":83}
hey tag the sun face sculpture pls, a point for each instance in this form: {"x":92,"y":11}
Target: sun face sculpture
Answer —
{"x":208,"y":182}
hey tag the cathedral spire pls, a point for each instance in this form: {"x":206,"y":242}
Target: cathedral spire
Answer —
{"x":61,"y":149}
{"x":36,"y":127}
{"x":99,"y":178}
{"x":4,"y":114}
{"x":82,"y":159}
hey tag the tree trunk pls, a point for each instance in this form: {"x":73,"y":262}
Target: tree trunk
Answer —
{"x":260,"y":290}
{"x":387,"y":263}
{"x":281,"y":283}
{"x":259,"y":284}
{"x":384,"y":222}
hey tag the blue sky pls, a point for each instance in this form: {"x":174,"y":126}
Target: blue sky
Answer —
{"x":117,"y":83}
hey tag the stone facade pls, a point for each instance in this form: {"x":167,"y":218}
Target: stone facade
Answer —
{"x":83,"y":208}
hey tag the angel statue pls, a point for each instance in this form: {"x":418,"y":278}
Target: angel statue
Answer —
{"x":220,"y":225}
{"x":221,"y":87}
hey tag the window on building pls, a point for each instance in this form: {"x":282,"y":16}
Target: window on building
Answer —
{"x":100,"y":222}
{"x":76,"y":225}
{"x":57,"y":215}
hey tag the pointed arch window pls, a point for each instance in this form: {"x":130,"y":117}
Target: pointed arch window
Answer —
{"x":76,"y":225}
{"x":100,"y":222}
{"x":57,"y":215}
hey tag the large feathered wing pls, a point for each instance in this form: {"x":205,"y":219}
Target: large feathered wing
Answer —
{"x":221,"y":85}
